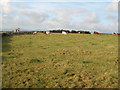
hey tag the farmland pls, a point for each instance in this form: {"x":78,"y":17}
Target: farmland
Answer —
{"x":60,"y":61}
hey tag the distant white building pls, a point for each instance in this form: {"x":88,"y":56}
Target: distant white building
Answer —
{"x":35,"y":32}
{"x":47,"y":32}
{"x":16,"y":30}
{"x":64,"y":33}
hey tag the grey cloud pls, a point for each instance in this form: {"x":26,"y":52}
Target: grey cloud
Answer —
{"x":91,"y":17}
{"x":112,"y":7}
{"x":112,"y":18}
{"x":35,"y":16}
{"x":5,"y":6}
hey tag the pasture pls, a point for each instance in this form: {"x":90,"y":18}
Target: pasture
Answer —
{"x":60,"y":61}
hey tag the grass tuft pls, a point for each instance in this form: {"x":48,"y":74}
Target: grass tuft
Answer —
{"x":36,"y":61}
{"x":86,"y":61}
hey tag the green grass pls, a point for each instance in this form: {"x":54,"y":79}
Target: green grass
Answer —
{"x":56,"y":60}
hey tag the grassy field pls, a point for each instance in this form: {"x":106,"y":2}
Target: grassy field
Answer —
{"x":60,"y":61}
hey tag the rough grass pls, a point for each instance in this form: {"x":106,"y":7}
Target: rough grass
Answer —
{"x":58,"y":61}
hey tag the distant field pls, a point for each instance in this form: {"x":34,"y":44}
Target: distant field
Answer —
{"x":59,"y":61}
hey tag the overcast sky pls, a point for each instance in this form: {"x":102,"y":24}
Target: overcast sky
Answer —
{"x":59,"y":14}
